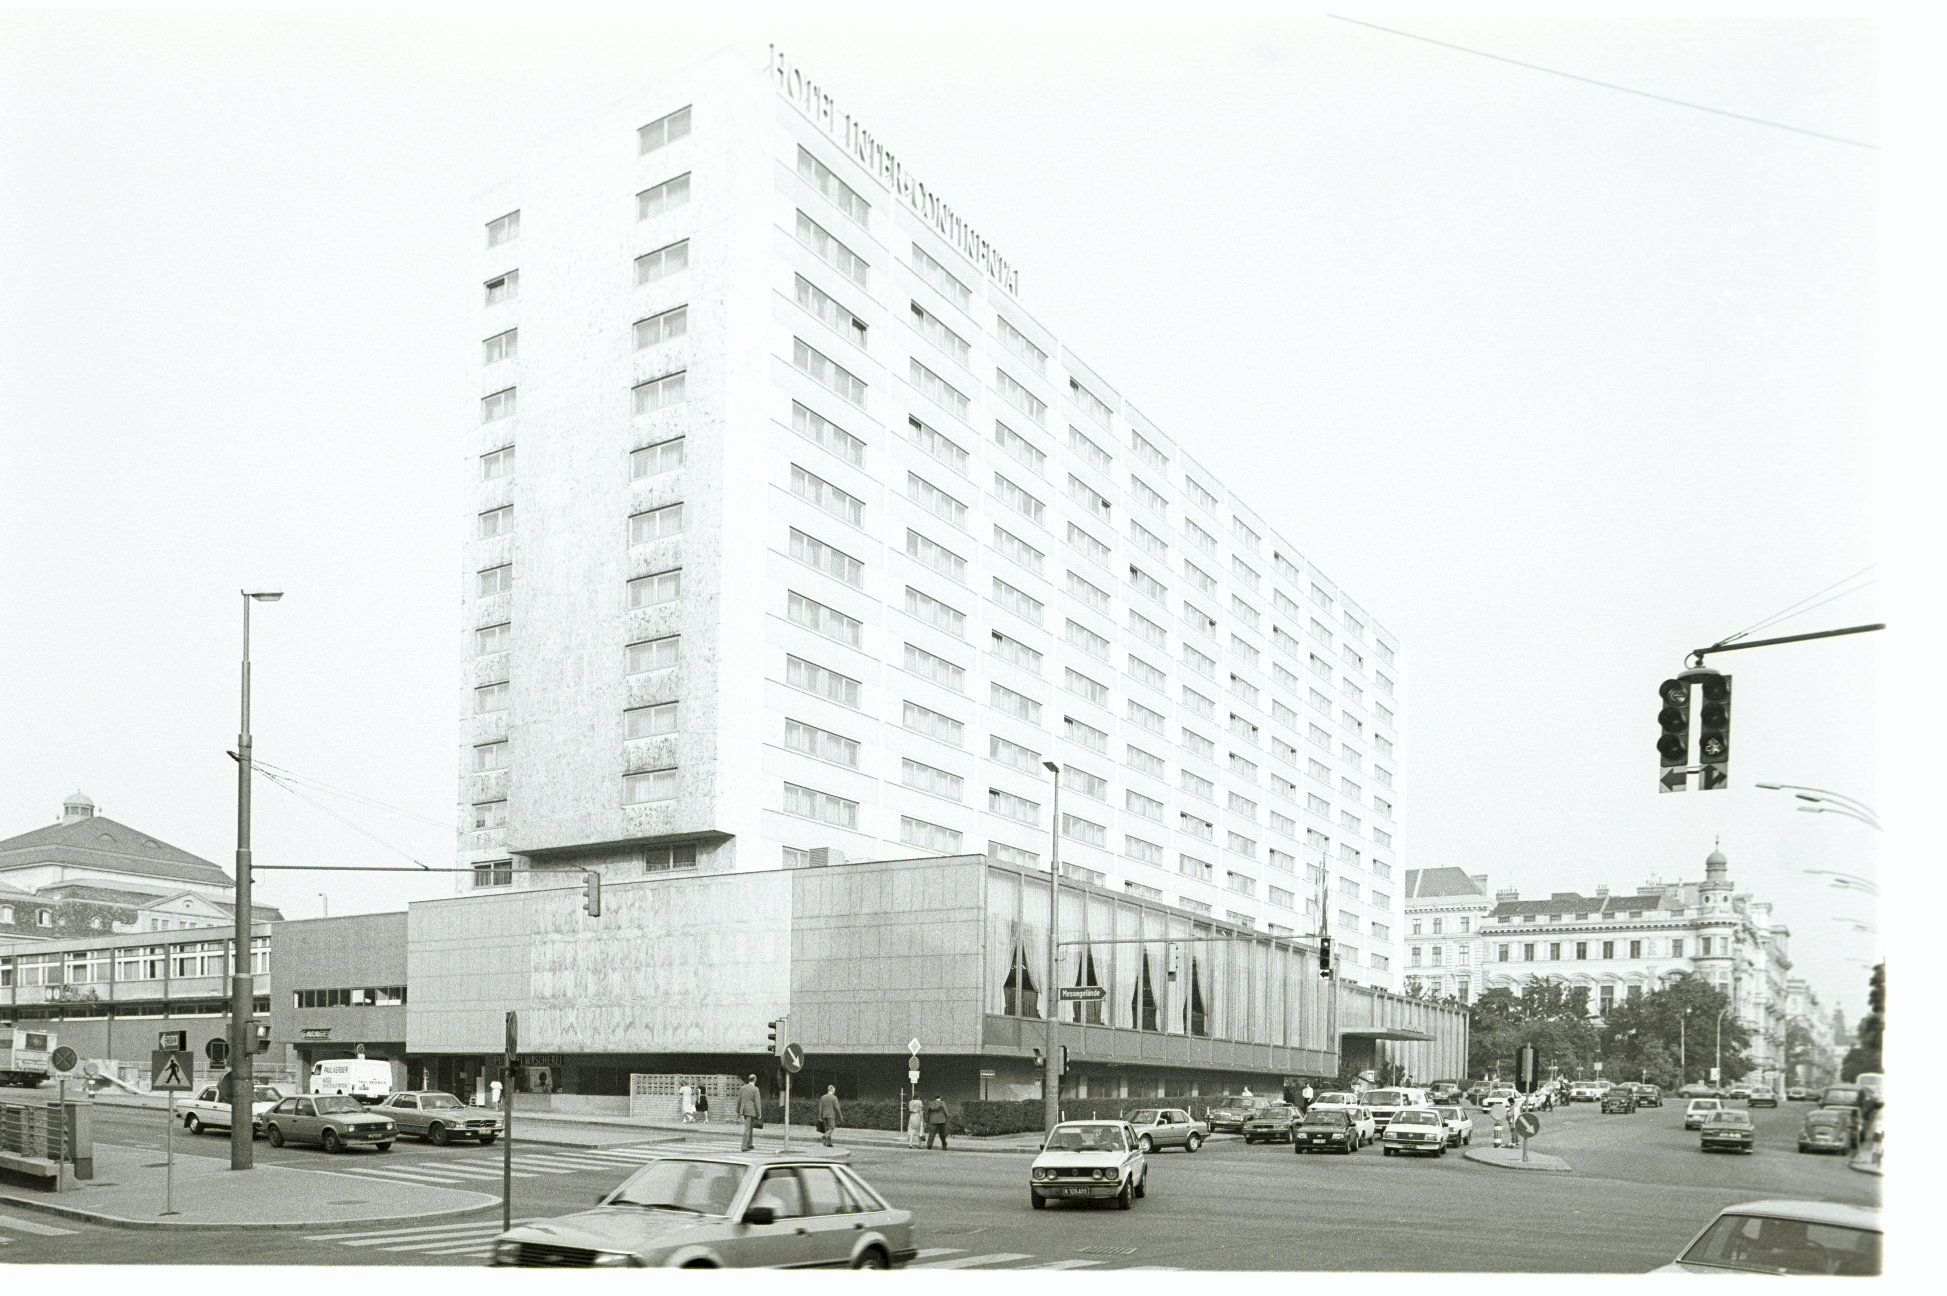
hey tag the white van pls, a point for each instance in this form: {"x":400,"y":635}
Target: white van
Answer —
{"x":1384,"y":1102}
{"x":366,"y":1079}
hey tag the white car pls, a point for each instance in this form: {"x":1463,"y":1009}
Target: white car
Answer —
{"x":1090,"y":1160}
{"x":1701,"y":1110}
{"x":1786,"y":1237}
{"x":1361,"y":1114}
{"x":1419,"y":1130}
{"x":1460,"y":1126}
{"x":206,"y":1111}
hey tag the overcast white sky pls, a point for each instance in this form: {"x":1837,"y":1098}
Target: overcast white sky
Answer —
{"x":1557,"y":381}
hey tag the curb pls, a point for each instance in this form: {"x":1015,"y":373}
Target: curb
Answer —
{"x":1540,"y":1160}
{"x":123,"y":1222}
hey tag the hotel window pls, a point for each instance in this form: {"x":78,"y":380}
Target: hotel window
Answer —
{"x":1147,"y":585}
{"x":1091,"y":453}
{"x":937,"y":445}
{"x":1082,"y":830}
{"x":1191,"y":824}
{"x":1554,"y":951}
{"x":1018,"y":550}
{"x":1019,"y":447}
{"x":829,"y":684}
{"x":1191,"y":866}
{"x":666,"y":859}
{"x":496,"y":580}
{"x":816,"y":553}
{"x":1014,"y":807}
{"x":663,"y":262}
{"x":821,"y":743}
{"x":1016,"y":653}
{"x":1014,"y":855}
{"x":1608,"y":999}
{"x":1146,"y":762}
{"x":652,"y":654}
{"x":934,"y":500}
{"x":1198,"y":745}
{"x":1246,"y":691}
{"x":1380,"y":931}
{"x":1146,"y":630}
{"x":842,"y":196}
{"x":501,"y":346}
{"x":938,"y":669}
{"x":1353,"y":624}
{"x":488,"y":815}
{"x":1198,"y":577}
{"x":826,"y":496}
{"x":496,"y":521}
{"x":1243,"y":768}
{"x":1083,"y":686}
{"x":1581,"y":949}
{"x":1244,"y":573}
{"x":1242,"y":533}
{"x":1076,"y":779}
{"x":1242,"y":728}
{"x":1148,"y":541}
{"x":936,"y":388}
{"x":1242,"y":805}
{"x":1020,"y":397}
{"x":664,"y":130}
{"x":1241,"y":844}
{"x":1385,"y":716}
{"x":932,"y":724}
{"x":928,"y":836}
{"x":1197,"y":786}
{"x":504,"y":289}
{"x":809,"y":803}
{"x":1239,"y":883}
{"x":1348,"y":788}
{"x":935,"y":555}
{"x":1089,"y":547}
{"x":1136,"y":803}
{"x":1413,"y":956}
{"x":656,"y":524}
{"x":1318,"y":805}
{"x":660,"y":393}
{"x":1676,"y":948}
{"x":827,"y":374}
{"x":1084,"y":494}
{"x":1385,"y":685}
{"x":1148,"y":496}
{"x":648,"y":786}
{"x":1016,"y":498}
{"x":1148,"y":452}
{"x":1199,"y":620}
{"x":1283,"y":824}
{"x":1203,"y":498}
{"x":1014,"y":754}
{"x":1283,"y":860}
{"x":1091,"y":404}
{"x":654,"y":460}
{"x":828,"y":311}
{"x":1143,"y":718}
{"x":1087,"y":594}
{"x":1501,"y":953}
{"x":830,"y":250}
{"x":1087,"y":640}
{"x":822,"y":431}
{"x":1199,"y":537}
{"x":667,"y":196}
{"x":1198,"y":704}
{"x":936,"y":782}
{"x":941,"y":279}
{"x":1321,"y":598}
{"x":497,"y":464}
{"x":649,"y":721}
{"x":504,"y":230}
{"x":497,"y":406}
{"x":1352,"y":659}
{"x":940,"y":616}
{"x":649,"y":591}
{"x":1146,"y":852}
{"x":1021,"y":605}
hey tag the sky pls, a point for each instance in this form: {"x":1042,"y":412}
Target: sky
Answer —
{"x":1557,"y":380}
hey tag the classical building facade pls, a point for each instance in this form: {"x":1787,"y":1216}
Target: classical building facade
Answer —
{"x":1446,"y":909}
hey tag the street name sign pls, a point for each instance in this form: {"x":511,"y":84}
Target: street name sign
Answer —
{"x":1083,"y":993}
{"x":172,"y":1041}
{"x":172,"y":1070}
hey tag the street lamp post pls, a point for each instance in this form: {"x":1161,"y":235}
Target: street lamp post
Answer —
{"x":1826,"y":801}
{"x":1720,"y":1044}
{"x":243,"y":996}
{"x":1051,"y":996}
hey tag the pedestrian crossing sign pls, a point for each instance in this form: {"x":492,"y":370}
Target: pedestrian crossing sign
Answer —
{"x":171,"y":1070}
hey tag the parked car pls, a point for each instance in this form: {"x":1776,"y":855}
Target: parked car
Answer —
{"x":334,"y":1121}
{"x":1829,"y":1129}
{"x":1096,"y":1160}
{"x":725,"y":1210}
{"x":439,"y":1117}
{"x":1160,"y":1127}
{"x":1727,"y":1131}
{"x":1443,"y":1091}
{"x":1460,"y":1126}
{"x":1785,"y":1237}
{"x":1322,"y":1128}
{"x":1584,"y":1091}
{"x":1697,"y":1089}
{"x":1619,"y":1102}
{"x":1798,"y":1093}
{"x":1230,"y":1117}
{"x":1699,"y":1110}
{"x":1764,"y":1098}
{"x":1845,"y":1095}
{"x":1272,"y":1124}
{"x":1418,"y":1130}
{"x":1361,"y":1115}
{"x":1739,"y":1091}
{"x":1477,"y":1095}
{"x":206,"y":1111}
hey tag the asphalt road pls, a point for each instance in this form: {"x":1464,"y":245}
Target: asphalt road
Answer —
{"x":1639,"y":1190}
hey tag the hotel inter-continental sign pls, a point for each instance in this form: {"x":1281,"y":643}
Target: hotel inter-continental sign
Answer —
{"x":823,"y":111}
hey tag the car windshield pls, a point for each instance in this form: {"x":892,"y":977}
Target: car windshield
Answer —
{"x":701,"y":1187}
{"x":1416,"y":1117}
{"x":1827,"y":1118}
{"x":333,"y":1103}
{"x":1331,"y":1116}
{"x":1730,"y":1118}
{"x":1145,"y":1118}
{"x":1337,"y":1099}
{"x":1386,"y":1098}
{"x":439,"y":1101}
{"x":1276,"y":1111}
{"x":1449,"y":1113}
{"x":1086,"y":1138}
{"x":267,"y":1094}
{"x":1762,"y":1244}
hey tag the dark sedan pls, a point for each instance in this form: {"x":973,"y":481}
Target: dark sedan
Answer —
{"x":1619,"y":1102}
{"x":1727,"y":1131}
{"x":1273,"y":1124}
{"x":1326,"y":1129}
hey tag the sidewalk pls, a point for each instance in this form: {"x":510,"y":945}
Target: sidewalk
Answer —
{"x":1509,"y":1158}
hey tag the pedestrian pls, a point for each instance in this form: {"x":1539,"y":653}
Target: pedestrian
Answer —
{"x":750,"y":1110}
{"x":495,"y":1086}
{"x":702,"y":1105}
{"x":915,"y":1121}
{"x":828,"y":1113}
{"x":1305,"y":1097}
{"x":686,"y":1103}
{"x":936,"y":1122}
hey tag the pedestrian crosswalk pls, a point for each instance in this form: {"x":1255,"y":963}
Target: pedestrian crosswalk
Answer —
{"x":12,"y":1224}
{"x":452,"y":1171}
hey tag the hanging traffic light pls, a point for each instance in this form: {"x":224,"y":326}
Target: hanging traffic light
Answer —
{"x":1325,"y":956}
{"x":772,"y":1046}
{"x":1714,"y":734}
{"x":1673,"y":747}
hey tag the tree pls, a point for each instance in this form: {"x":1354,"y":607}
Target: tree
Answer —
{"x":1671,"y":1033}
{"x":1864,"y":1057}
{"x":1547,"y":1014}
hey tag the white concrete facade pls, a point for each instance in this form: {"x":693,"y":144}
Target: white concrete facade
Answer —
{"x":922,"y":548}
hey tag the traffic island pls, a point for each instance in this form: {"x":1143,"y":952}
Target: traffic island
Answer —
{"x":1509,"y":1158}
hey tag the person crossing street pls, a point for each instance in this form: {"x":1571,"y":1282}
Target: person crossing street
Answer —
{"x":750,"y":1110}
{"x":828,"y":1112}
{"x":936,"y":1122}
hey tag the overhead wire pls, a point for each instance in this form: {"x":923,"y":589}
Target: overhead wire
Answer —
{"x":349,"y":795}
{"x":1798,"y":608}
{"x":1608,"y":85}
{"x":277,"y":780}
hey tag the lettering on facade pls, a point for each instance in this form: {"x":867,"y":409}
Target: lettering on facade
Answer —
{"x":823,"y":111}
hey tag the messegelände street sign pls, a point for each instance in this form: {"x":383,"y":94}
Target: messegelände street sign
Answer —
{"x":1083,"y":992}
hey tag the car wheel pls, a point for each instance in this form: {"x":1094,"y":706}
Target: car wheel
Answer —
{"x":276,"y":1137}
{"x":1192,"y":1143}
{"x":486,"y":1140}
{"x":1125,"y":1197}
{"x":872,"y":1258}
{"x":438,"y":1134}
{"x":1388,"y":1151}
{"x":329,"y":1140}
{"x":383,"y":1147}
{"x":1145,"y":1145}
{"x":193,"y":1125}
{"x":1036,"y":1200}
{"x":1142,"y":1185}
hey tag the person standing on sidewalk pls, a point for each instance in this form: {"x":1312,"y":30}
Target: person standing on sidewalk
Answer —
{"x":686,"y":1102}
{"x":702,"y":1105}
{"x":828,"y":1112}
{"x":936,"y":1122}
{"x":915,"y":1121}
{"x":750,"y":1110}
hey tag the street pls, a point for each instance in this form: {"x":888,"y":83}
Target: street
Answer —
{"x":1640,"y":1189}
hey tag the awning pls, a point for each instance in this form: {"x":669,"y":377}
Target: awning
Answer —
{"x":1385,"y":1033}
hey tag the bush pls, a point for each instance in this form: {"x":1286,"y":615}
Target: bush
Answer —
{"x":853,"y":1115}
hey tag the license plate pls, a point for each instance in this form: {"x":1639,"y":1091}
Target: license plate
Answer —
{"x":1071,"y":1192}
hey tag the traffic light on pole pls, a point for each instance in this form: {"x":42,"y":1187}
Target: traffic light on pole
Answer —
{"x":591,"y":899}
{"x":772,"y":1046}
{"x":1714,"y":734}
{"x":1325,"y":956}
{"x":1674,"y":745}
{"x":260,"y":1036}
{"x":1064,"y":1061}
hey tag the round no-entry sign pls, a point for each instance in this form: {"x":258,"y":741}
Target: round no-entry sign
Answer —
{"x":64,"y":1058}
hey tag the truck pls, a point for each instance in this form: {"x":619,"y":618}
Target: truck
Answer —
{"x":366,"y":1079}
{"x":24,"y":1055}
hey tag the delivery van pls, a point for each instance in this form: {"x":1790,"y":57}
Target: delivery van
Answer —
{"x":366,"y":1079}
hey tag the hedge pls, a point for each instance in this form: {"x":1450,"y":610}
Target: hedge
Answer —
{"x":1017,"y":1116}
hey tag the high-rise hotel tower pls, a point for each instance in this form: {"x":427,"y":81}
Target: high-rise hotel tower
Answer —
{"x":793,"y":536}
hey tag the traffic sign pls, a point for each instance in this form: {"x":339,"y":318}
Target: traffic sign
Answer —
{"x":217,"y":1050}
{"x":1527,"y":1124}
{"x":912,"y":1077}
{"x":1083,"y":992}
{"x":90,"y":1070}
{"x":793,"y":1058}
{"x":912,"y":1045}
{"x":172,"y":1041}
{"x":64,"y":1058}
{"x":172,"y":1070}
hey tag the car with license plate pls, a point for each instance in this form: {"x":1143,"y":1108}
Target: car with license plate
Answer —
{"x":1584,"y":1091}
{"x":722,"y":1210}
{"x":1739,"y":1092}
{"x":1829,"y":1129}
{"x":1647,"y":1095}
{"x":1089,"y":1160}
{"x":1384,"y":1102}
{"x":1698,"y":1089}
{"x":1786,"y":1237}
{"x":1798,"y":1093}
{"x":1161,"y":1127}
{"x":1618,"y":1102}
{"x":1229,"y":1116}
{"x":333,"y":1121}
{"x":1844,"y":1095}
{"x":1416,"y":1130}
{"x":1328,"y":1129}
{"x":1727,"y":1131}
{"x":206,"y":1109}
{"x":1460,"y":1126}
{"x":439,"y":1117}
{"x":1763,"y":1098}
{"x":1443,"y":1091}
{"x":1699,"y":1110}
{"x":1271,"y":1125}
{"x":1361,"y":1114}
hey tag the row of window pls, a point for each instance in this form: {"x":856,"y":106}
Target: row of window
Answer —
{"x":657,"y":859}
{"x":1579,"y":950}
{"x":130,"y":963}
{"x":357,"y":997}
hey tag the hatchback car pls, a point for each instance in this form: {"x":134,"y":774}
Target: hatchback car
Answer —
{"x":1727,"y":1131}
{"x":1829,"y":1129}
{"x":1460,"y":1126}
{"x":209,"y":1111}
{"x":1699,"y":1110}
{"x":1160,"y":1127}
{"x":1798,"y":1094}
{"x":439,"y":1117}
{"x":723,"y":1210}
{"x":1273,"y":1124}
{"x":1763,"y":1098}
{"x":1418,"y":1130}
{"x":1786,"y":1237}
{"x":1097,"y":1160}
{"x":333,"y":1121}
{"x":1322,"y":1129}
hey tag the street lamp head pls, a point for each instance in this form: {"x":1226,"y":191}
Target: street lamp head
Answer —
{"x":263,"y":596}
{"x":1051,"y":767}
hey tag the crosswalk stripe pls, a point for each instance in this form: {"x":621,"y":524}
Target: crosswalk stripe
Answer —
{"x":1064,"y":1264}
{"x":465,"y":1171}
{"x":485,"y":1248}
{"x":967,"y":1262}
{"x":443,"y":1242}
{"x":1150,"y":1269}
{"x":28,"y":1226}
{"x":579,"y":1163}
{"x":406,"y":1176}
{"x":924,"y":1252}
{"x":421,"y":1231}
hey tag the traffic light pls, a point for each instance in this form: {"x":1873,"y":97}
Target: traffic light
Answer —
{"x":1325,"y":956}
{"x":772,"y":1046}
{"x":1040,"y":1060}
{"x":1064,"y":1061}
{"x":1714,"y":734}
{"x":260,"y":1037}
{"x":591,"y":898}
{"x":1674,"y":746}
